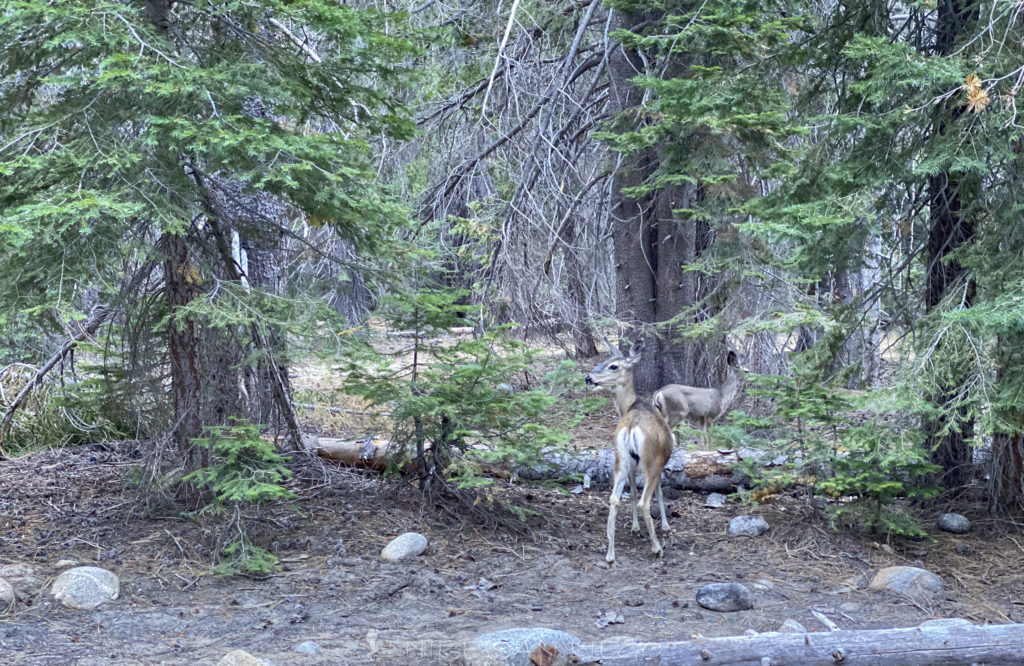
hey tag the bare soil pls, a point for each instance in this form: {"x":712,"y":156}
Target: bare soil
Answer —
{"x":477,"y":575}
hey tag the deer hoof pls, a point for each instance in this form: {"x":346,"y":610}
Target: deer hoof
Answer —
{"x":610,"y":558}
{"x":635,"y":529}
{"x":658,"y":551}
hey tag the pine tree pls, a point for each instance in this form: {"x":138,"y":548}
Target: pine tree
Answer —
{"x":139,"y":140}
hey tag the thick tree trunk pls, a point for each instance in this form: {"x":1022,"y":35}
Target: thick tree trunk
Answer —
{"x":652,"y":246}
{"x":181,"y":287}
{"x":949,"y":435}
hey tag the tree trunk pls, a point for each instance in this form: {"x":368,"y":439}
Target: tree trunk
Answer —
{"x":949,"y":435}
{"x":651,"y":246}
{"x":181,"y":286}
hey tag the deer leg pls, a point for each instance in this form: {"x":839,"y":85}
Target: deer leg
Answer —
{"x":618,"y":485}
{"x":661,"y":506}
{"x":645,"y":509}
{"x":635,"y":529}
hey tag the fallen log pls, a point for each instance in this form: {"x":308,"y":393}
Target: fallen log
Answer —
{"x":686,"y":470}
{"x":362,"y":453}
{"x":953,"y":641}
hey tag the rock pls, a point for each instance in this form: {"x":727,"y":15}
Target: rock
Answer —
{"x":513,"y":647}
{"x":715,"y":501}
{"x":308,"y":647}
{"x":23,"y":578}
{"x":403,"y":547}
{"x":67,"y":564}
{"x":240,"y":658}
{"x":791,"y":626}
{"x":918,"y":584}
{"x":725,"y":597}
{"x":6,"y":594}
{"x":85,"y":587}
{"x":849,"y":607}
{"x":955,"y":523}
{"x":748,"y":526}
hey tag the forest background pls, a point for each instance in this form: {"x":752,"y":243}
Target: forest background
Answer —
{"x":195,"y":198}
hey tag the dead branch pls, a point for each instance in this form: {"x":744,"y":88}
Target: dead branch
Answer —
{"x":99,"y":314}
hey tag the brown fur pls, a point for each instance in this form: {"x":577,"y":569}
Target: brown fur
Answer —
{"x":642,"y":440}
{"x":700,"y":406}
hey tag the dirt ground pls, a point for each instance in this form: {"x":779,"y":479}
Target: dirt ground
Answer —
{"x":81,"y":504}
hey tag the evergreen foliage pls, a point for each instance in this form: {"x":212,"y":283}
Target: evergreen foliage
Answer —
{"x":244,"y":469}
{"x":139,"y":141}
{"x":460,"y":406}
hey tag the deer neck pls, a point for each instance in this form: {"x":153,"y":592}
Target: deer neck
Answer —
{"x":730,"y":388}
{"x":624,"y":396}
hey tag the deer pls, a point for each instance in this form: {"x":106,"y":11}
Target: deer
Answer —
{"x":643,"y":440}
{"x":700,"y":406}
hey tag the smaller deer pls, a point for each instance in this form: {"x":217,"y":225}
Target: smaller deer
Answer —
{"x":700,"y":406}
{"x":642,"y":439}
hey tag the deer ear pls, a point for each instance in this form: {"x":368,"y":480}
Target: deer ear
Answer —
{"x":732,"y":359}
{"x":635,"y":351}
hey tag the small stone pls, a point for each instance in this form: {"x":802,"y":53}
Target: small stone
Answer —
{"x":85,"y":588}
{"x":6,"y":594}
{"x":849,"y":607}
{"x":791,"y":626}
{"x":67,"y":564}
{"x":307,"y":647}
{"x":715,"y":501}
{"x":725,"y":597}
{"x":240,"y":658}
{"x":513,"y":647}
{"x":23,"y":578}
{"x":918,"y":584}
{"x":748,"y":526}
{"x":955,"y":523}
{"x":403,"y":547}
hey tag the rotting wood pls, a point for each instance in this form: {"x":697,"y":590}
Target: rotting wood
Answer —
{"x":686,"y":470}
{"x":952,"y":641}
{"x":361,"y":453}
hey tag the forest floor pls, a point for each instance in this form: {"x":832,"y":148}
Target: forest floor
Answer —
{"x":546,"y":572}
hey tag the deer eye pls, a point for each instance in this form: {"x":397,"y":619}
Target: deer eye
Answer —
{"x":613,"y":367}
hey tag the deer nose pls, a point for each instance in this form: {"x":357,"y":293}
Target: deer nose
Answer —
{"x":589,"y":380}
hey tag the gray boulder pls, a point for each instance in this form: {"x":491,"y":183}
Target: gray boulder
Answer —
{"x":240,"y":658}
{"x":27,"y":584}
{"x":85,"y":588}
{"x":6,"y":594}
{"x":308,"y":647}
{"x":955,"y":523}
{"x":725,"y":597}
{"x":403,"y":547}
{"x":715,"y":501}
{"x":791,"y":626}
{"x":748,"y":526}
{"x":920,"y":585}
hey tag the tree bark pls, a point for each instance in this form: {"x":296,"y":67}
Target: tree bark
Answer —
{"x":181,"y":286}
{"x":949,"y":435}
{"x":652,"y":245}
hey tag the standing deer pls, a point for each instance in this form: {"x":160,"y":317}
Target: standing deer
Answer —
{"x":700,"y":406}
{"x":642,"y":439}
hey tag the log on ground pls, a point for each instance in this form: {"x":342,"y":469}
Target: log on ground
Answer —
{"x":686,"y":470}
{"x":953,"y":641}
